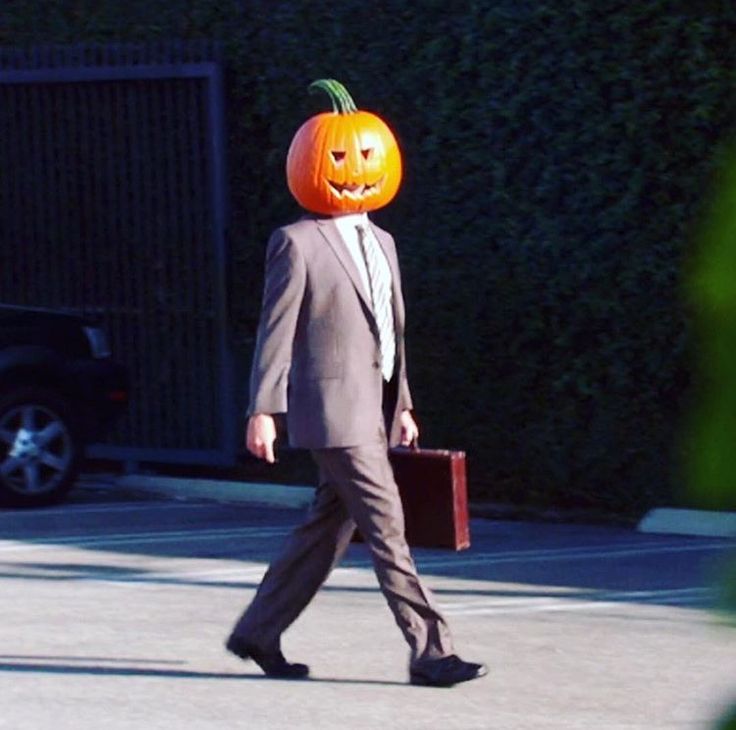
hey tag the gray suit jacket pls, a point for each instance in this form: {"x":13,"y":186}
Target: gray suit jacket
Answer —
{"x":317,"y":353}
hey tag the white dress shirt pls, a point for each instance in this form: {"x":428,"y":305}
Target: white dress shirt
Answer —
{"x":347,"y":226}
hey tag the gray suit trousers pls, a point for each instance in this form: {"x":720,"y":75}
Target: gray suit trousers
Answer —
{"x":357,"y":487}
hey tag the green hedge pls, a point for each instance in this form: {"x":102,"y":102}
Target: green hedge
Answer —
{"x":556,"y":155}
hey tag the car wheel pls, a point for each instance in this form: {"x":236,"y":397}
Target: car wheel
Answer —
{"x":40,"y":447}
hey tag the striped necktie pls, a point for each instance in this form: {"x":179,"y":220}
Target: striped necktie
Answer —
{"x":379,"y":279}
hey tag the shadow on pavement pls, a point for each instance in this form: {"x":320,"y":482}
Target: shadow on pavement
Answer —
{"x":32,"y":665}
{"x":544,"y":560}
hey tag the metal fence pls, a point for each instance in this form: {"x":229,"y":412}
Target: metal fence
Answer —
{"x":113,"y":202}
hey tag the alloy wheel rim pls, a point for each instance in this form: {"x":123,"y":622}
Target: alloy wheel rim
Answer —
{"x":37,"y":448}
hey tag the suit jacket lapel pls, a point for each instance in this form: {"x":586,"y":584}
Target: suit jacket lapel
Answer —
{"x":329,"y":231}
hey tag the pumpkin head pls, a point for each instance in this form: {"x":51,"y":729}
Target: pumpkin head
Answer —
{"x":344,"y":161}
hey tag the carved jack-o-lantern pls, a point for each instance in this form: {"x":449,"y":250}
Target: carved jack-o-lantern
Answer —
{"x":344,"y":161}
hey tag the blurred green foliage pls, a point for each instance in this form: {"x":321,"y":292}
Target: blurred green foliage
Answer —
{"x":728,"y":722}
{"x":555,"y":158}
{"x":711,"y":455}
{"x":711,"y":433}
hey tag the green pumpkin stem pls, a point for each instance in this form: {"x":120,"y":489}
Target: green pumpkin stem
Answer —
{"x":342,"y":102}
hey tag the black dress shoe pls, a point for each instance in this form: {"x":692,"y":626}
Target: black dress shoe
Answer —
{"x":273,"y":664}
{"x":446,"y":671}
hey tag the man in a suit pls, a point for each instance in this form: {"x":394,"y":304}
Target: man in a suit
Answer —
{"x":330,"y":356}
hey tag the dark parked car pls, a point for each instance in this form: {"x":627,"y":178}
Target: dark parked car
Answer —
{"x":59,"y":390}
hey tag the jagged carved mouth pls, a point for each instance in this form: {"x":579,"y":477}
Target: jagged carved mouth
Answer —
{"x":354,"y":191}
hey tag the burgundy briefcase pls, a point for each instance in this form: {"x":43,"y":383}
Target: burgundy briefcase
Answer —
{"x":433,"y":488}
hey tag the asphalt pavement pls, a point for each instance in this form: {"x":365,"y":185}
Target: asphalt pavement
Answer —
{"x":116,"y":604}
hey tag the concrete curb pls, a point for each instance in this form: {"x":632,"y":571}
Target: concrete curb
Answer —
{"x":268,"y":495}
{"x":663,"y":520}
{"x":701,"y":523}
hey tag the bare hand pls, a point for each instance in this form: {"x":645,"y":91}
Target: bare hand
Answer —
{"x":260,"y":436}
{"x":409,"y":429}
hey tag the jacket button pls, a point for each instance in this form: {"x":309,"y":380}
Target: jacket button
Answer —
{"x":376,"y":366}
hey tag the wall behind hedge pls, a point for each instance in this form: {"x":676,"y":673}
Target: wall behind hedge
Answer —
{"x":556,"y":157}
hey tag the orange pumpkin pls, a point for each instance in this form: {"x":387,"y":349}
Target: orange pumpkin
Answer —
{"x":344,"y":161}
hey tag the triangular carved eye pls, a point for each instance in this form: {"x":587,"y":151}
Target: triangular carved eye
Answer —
{"x":367,"y":153}
{"x":338,"y":155}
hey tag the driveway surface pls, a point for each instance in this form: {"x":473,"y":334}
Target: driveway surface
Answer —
{"x":115,"y":607}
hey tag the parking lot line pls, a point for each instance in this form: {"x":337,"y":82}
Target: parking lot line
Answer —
{"x":73,"y":509}
{"x":622,"y":550}
{"x":141,"y":538}
{"x":574,"y":602}
{"x":559,"y":554}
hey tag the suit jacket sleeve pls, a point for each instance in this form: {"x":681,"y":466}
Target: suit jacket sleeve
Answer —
{"x":284,"y":285}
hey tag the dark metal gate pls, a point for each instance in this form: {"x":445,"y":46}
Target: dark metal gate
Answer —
{"x":112,"y":201}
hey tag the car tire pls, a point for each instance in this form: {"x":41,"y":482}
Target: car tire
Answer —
{"x":41,"y":447}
